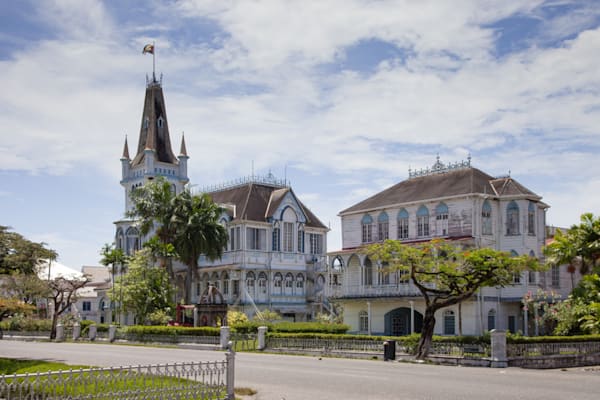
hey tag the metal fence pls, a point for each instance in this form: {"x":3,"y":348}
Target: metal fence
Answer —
{"x":547,"y":349}
{"x":460,"y":349}
{"x":331,"y":345}
{"x":201,"y":380}
{"x":149,"y":338}
{"x":244,"y":341}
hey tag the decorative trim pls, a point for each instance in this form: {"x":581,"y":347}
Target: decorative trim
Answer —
{"x":439,"y":168}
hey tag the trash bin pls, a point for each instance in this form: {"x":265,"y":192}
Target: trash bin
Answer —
{"x":389,"y":350}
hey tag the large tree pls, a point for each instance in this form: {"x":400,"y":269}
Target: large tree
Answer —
{"x":145,"y":288}
{"x":63,"y":292}
{"x":185,"y":223}
{"x":153,"y":206}
{"x":446,"y":274}
{"x":579,"y":246}
{"x":197,"y":232}
{"x":20,"y":255}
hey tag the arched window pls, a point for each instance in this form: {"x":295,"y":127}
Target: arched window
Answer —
{"x":383,"y":226}
{"x":531,"y":219}
{"x":368,"y":278}
{"x":300,"y":238}
{"x":289,"y":283}
{"x":423,"y":222}
{"x":120,"y":239}
{"x":262,"y":282}
{"x":363,"y":321}
{"x":403,"y":224}
{"x":300,"y":284}
{"x":225,"y":283}
{"x":250,"y":280}
{"x":289,"y":218}
{"x":441,"y":220}
{"x":512,"y":218}
{"x":486,"y":218}
{"x":516,"y":275}
{"x":277,"y":283}
{"x":276,"y":236}
{"x":491,"y":319}
{"x":367,"y":229}
{"x":132,"y":240}
{"x":449,"y":323}
{"x":531,"y":274}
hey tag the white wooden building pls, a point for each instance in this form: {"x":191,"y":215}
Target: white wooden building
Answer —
{"x":275,"y":258}
{"x":456,"y":202}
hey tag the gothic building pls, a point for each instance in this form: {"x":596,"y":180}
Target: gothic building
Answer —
{"x":456,"y":202}
{"x":275,"y":258}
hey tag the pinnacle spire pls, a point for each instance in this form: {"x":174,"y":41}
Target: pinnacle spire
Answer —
{"x":183,"y":150}
{"x":125,"y":155}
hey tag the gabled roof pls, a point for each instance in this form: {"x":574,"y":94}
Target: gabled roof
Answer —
{"x":452,"y":183}
{"x":258,"y":202}
{"x":507,"y":186}
{"x":154,"y":135}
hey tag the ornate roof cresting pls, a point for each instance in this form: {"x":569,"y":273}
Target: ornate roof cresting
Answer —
{"x":439,"y":168}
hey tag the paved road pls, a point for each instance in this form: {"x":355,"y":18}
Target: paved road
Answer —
{"x":293,"y":378}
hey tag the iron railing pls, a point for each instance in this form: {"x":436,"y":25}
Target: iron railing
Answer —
{"x":524,"y":350}
{"x":195,"y":380}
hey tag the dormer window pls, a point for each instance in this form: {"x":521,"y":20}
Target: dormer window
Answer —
{"x":146,"y":121}
{"x":160,"y":122}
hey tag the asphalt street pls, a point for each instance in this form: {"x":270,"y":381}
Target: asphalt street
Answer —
{"x":277,"y":377}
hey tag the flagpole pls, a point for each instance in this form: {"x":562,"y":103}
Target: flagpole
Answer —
{"x":153,"y":61}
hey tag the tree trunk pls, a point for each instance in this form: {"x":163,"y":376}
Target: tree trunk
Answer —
{"x":188,"y":285}
{"x":426,"y":334}
{"x":54,"y":323}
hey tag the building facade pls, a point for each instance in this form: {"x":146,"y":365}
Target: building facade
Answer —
{"x":275,"y":258}
{"x":456,"y":202}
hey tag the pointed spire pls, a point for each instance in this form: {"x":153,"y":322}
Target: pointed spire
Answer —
{"x":154,"y":132}
{"x":125,"y":155}
{"x":183,"y":151}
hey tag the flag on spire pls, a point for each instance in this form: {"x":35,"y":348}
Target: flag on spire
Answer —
{"x":149,"y":48}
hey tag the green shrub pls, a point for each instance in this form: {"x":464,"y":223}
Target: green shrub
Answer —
{"x":512,"y":338}
{"x":25,"y":324}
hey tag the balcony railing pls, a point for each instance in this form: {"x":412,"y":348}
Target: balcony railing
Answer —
{"x":404,"y":289}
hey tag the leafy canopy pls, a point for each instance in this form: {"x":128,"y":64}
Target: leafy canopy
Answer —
{"x":20,"y":255}
{"x":579,"y":246}
{"x":145,"y":289}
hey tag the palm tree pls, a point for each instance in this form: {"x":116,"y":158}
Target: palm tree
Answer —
{"x":153,"y":208}
{"x":113,"y":257}
{"x":579,"y":246}
{"x":195,"y":221}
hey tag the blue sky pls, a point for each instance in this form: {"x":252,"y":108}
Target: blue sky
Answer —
{"x":341,"y":96}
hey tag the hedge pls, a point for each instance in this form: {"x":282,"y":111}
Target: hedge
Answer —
{"x":171,"y":330}
{"x":518,"y":339}
{"x":292,"y":327}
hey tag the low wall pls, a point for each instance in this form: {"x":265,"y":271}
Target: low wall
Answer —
{"x":555,"y":361}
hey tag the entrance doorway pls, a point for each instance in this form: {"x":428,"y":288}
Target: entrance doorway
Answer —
{"x":397,"y":322}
